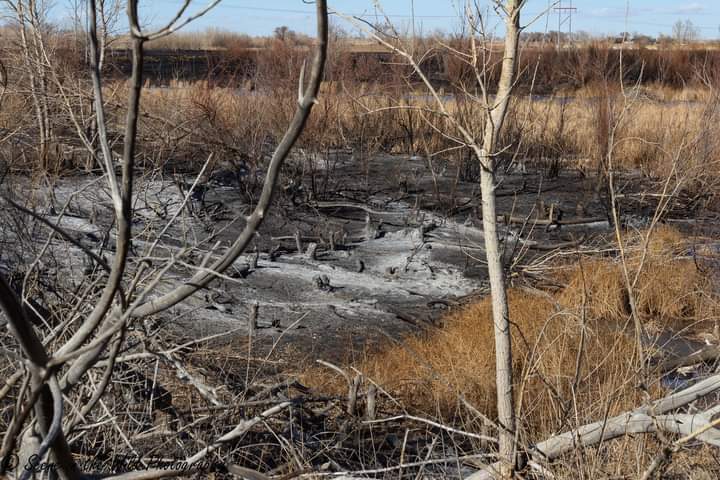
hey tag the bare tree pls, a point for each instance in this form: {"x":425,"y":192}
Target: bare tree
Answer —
{"x":492,"y":111}
{"x":57,"y":371}
{"x":33,"y":28}
{"x":501,"y":315}
{"x":685,"y":31}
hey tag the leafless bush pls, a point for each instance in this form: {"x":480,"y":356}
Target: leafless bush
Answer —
{"x":57,"y":347}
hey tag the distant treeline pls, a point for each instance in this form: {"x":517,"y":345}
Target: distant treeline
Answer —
{"x":544,"y":69}
{"x":549,"y":69}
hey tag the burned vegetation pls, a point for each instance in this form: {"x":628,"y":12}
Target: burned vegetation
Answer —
{"x":380,"y":256}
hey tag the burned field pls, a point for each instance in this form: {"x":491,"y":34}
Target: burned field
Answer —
{"x":392,"y":251}
{"x":362,"y":257}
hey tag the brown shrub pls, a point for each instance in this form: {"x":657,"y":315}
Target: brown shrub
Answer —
{"x":429,"y":373}
{"x":670,"y":292}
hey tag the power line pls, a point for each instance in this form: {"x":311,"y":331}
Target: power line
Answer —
{"x":409,"y":16}
{"x":312,"y":12}
{"x":565,"y":14}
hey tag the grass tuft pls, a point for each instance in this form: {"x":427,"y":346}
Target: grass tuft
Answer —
{"x":574,"y":351}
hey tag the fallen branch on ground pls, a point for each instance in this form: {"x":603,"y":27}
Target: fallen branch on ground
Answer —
{"x":645,"y":419}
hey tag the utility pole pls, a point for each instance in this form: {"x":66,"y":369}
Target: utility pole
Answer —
{"x":412,"y":9}
{"x":565,"y":13}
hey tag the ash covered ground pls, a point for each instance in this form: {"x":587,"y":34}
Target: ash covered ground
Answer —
{"x":399,"y":242}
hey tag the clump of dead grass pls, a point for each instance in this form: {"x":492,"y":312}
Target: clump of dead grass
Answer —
{"x":573,"y":355}
{"x":671,"y":290}
{"x":430,"y":372}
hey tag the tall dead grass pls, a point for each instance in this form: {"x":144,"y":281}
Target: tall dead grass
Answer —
{"x":663,"y":130}
{"x":656,"y":136}
{"x":430,"y":372}
{"x":651,"y":137}
{"x":574,"y":354}
{"x":672,"y":290}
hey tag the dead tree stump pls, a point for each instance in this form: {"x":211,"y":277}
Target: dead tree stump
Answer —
{"x":353,"y":395}
{"x":252,"y":319}
{"x":312,"y":250}
{"x":298,"y":241}
{"x":371,"y":232}
{"x":254,"y":259}
{"x":274,"y":253}
{"x":323,"y":283}
{"x":370,"y":405}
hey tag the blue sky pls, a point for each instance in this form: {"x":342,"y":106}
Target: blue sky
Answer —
{"x":260,"y":17}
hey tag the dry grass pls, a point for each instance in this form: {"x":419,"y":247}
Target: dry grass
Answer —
{"x":630,"y":456}
{"x":654,"y":136}
{"x":429,"y":373}
{"x":663,"y":129}
{"x":650,"y":137}
{"x":671,"y":291}
{"x":573,"y":356}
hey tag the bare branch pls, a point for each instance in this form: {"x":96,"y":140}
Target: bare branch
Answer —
{"x":202,"y":279}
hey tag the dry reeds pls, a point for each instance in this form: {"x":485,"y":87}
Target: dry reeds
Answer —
{"x":572,"y":346}
{"x":656,"y":137}
{"x":672,"y":292}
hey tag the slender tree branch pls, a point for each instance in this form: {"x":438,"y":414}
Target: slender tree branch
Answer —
{"x":202,"y":279}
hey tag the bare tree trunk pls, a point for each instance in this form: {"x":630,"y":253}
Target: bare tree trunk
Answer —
{"x":496,"y":273}
{"x":495,"y":112}
{"x":31,"y":65}
{"x":44,"y":407}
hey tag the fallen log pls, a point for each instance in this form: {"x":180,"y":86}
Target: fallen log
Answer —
{"x":359,"y":206}
{"x":546,"y":221}
{"x":709,"y":353}
{"x":419,"y":321}
{"x":531,"y":244}
{"x":647,"y":419}
{"x":547,"y":247}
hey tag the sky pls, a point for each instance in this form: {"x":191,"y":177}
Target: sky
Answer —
{"x":260,"y":17}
